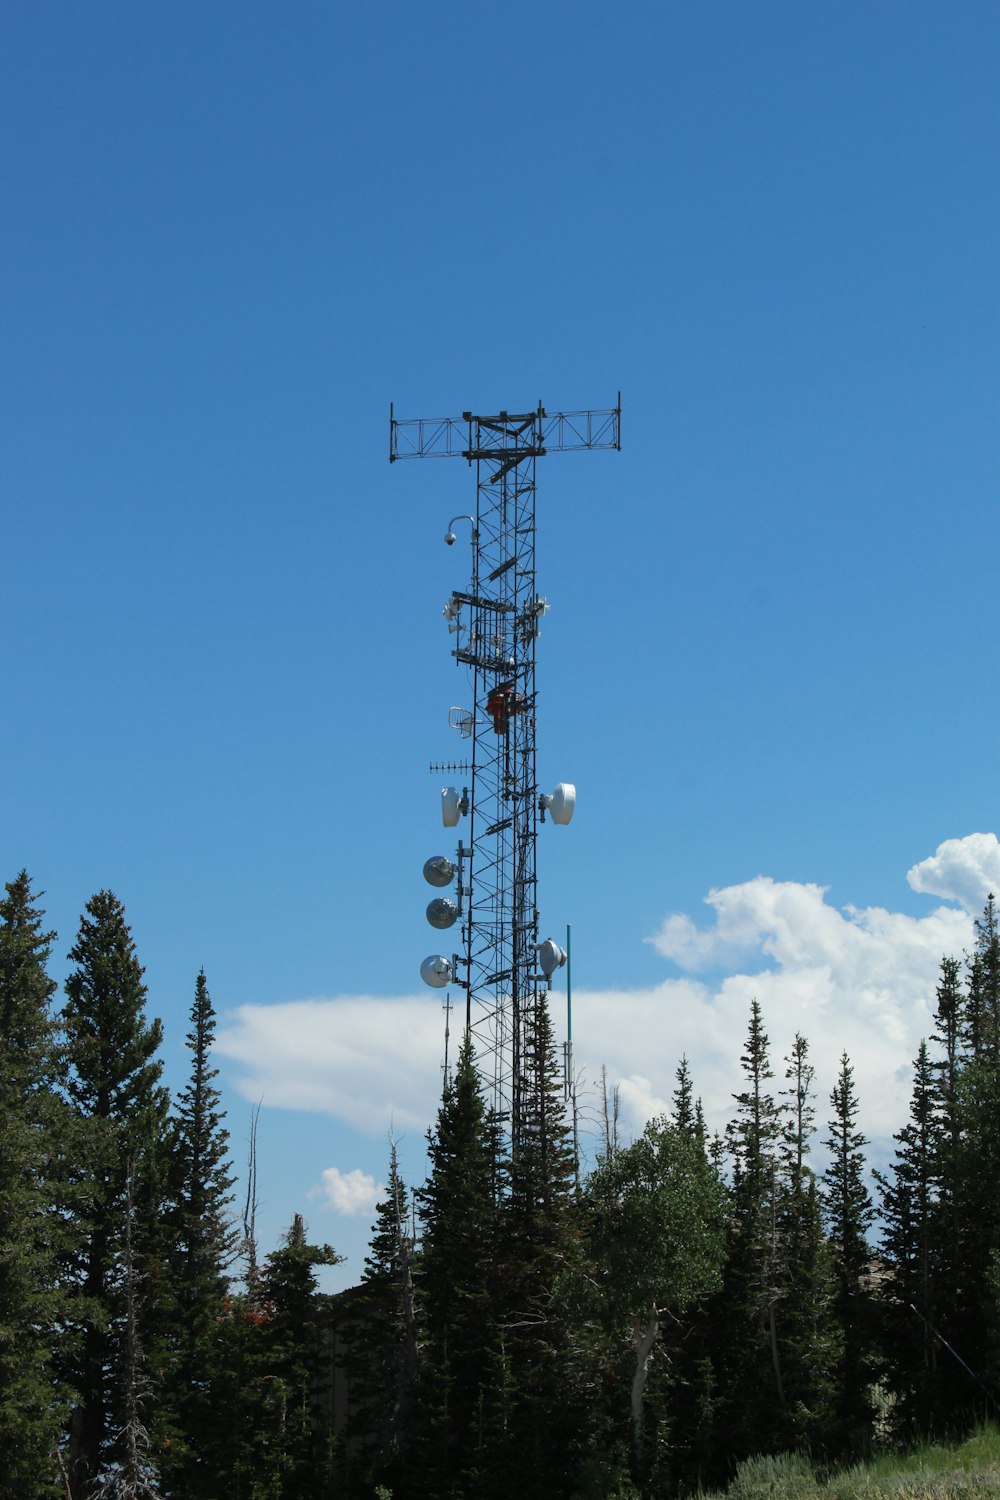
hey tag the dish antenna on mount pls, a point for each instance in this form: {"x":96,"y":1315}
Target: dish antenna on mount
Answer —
{"x":454,"y":805}
{"x":439,"y":870}
{"x":437,"y":971}
{"x":559,"y":804}
{"x":442,"y":912}
{"x":550,"y":958}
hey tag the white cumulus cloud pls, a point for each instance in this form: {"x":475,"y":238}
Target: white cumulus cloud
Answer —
{"x":348,"y":1193}
{"x":639,"y":1100}
{"x":847,"y":978}
{"x":860,"y":980}
{"x":963,"y":870}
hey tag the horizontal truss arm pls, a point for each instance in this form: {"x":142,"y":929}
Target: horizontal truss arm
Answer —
{"x":502,"y":436}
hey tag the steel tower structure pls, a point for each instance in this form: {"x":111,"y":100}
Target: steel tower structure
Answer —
{"x":501,"y":966}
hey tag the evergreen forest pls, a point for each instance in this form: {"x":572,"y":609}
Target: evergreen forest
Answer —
{"x":520,"y":1329}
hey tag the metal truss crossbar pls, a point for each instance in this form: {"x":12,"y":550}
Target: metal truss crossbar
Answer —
{"x":525,"y":434}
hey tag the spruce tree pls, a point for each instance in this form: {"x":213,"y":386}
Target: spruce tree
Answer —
{"x":293,"y":1440}
{"x":202,"y":1245}
{"x":752,"y":1396}
{"x":809,"y":1340}
{"x":981,"y":1029}
{"x":911,"y":1291}
{"x":849,"y":1216}
{"x":957,"y":1232}
{"x":799,"y":1117}
{"x":536,"y":1403}
{"x":456,"y":1281}
{"x":687,"y":1343}
{"x":684,"y":1111}
{"x":34,"y":1227}
{"x":134,"y":1474}
{"x":112,"y":1082}
{"x":970,"y":1187}
{"x":383,"y":1352}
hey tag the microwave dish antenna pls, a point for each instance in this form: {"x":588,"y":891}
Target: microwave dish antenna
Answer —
{"x":550,"y":957}
{"x":442,"y":912}
{"x":437,"y":971}
{"x":439,"y":870}
{"x":559,"y":804}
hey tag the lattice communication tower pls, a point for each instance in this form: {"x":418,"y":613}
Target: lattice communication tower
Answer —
{"x":500,"y":964}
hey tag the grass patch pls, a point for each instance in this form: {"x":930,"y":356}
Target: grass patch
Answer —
{"x":966,"y":1471}
{"x":779,"y":1474}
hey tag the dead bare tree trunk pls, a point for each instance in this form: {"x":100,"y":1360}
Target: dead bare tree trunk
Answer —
{"x":644,"y":1331}
{"x":135,"y":1476}
{"x":62,"y":1471}
{"x":250,"y":1211}
{"x":609,"y":1115}
{"x":404,"y":1244}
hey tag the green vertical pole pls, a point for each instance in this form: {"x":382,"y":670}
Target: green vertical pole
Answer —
{"x":571,"y":1083}
{"x":569,"y":989}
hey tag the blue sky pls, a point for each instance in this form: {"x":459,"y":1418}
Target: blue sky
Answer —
{"x":232,"y":235}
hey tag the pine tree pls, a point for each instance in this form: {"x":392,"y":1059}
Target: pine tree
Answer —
{"x":800,"y":1115}
{"x":112,"y":1082}
{"x":134,"y":1475}
{"x":849,"y":1217}
{"x":753,"y":1399}
{"x":949,"y":1016}
{"x":202,"y":1245}
{"x":754,"y":1136}
{"x":34,"y":1142}
{"x":384,"y":1358}
{"x":955,"y":1233}
{"x":687,"y":1343}
{"x":536,"y":1404}
{"x":809,"y":1340}
{"x":688,"y":1114}
{"x":970,"y":1188}
{"x":911,"y":1246}
{"x":456,"y":1276}
{"x":981,"y":1029}
{"x":684,"y":1112}
{"x":293,"y":1439}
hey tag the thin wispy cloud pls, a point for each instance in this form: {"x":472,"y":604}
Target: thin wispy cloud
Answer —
{"x":364,"y":1059}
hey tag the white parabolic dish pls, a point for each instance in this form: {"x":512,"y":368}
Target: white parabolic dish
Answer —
{"x":436,"y":971}
{"x":563,"y":802}
{"x":451,"y":806}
